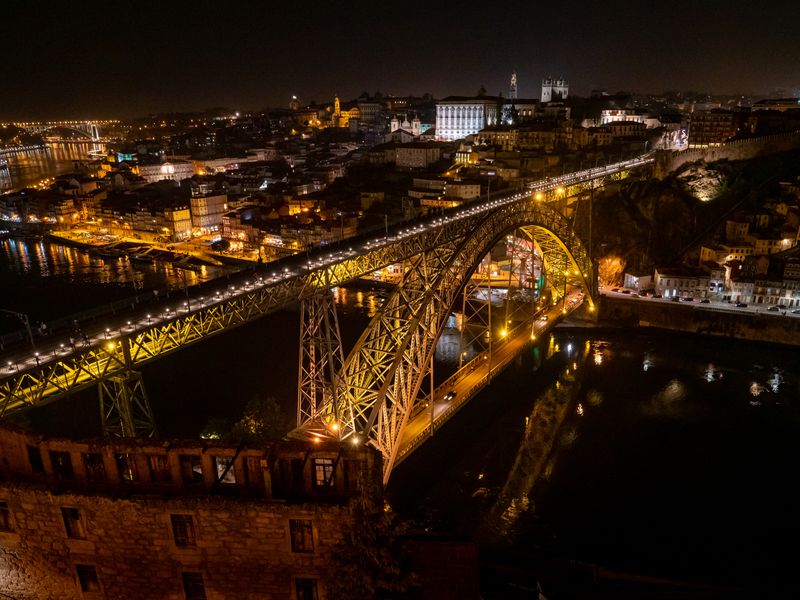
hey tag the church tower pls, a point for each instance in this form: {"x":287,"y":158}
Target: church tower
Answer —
{"x":512,"y":88}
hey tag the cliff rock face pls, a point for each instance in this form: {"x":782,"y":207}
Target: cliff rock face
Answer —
{"x":644,"y":221}
{"x":703,"y":181}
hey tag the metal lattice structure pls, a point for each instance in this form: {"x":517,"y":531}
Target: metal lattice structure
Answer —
{"x":382,"y":375}
{"x":377,"y":381}
{"x":321,"y":359}
{"x":124,"y":407}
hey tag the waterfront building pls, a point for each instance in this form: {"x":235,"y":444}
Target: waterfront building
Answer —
{"x":135,"y":519}
{"x":207,"y":211}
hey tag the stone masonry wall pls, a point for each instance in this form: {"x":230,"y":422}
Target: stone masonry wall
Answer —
{"x":243,"y":547}
{"x":667,"y":162}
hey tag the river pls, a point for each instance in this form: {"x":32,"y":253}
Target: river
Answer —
{"x":29,"y":167}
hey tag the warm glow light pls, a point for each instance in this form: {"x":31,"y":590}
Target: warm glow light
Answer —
{"x":503,"y":333}
{"x":335,"y":427}
{"x":539,"y":195}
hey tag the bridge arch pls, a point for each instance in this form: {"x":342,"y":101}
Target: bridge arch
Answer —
{"x":378,"y":384}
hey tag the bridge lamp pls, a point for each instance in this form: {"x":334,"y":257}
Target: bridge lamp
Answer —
{"x":110,"y":346}
{"x":354,"y":440}
{"x":503,"y":332}
{"x":560,"y":190}
{"x":335,"y":426}
{"x":539,"y":195}
{"x":10,"y":366}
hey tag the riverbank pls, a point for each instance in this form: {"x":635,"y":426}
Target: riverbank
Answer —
{"x":765,"y":327}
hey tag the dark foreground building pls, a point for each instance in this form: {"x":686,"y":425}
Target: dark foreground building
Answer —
{"x":188,"y":520}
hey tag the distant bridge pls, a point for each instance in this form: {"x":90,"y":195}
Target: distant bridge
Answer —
{"x":91,"y":129}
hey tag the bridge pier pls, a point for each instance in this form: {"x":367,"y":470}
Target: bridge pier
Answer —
{"x":124,"y":406}
{"x":320,"y":362}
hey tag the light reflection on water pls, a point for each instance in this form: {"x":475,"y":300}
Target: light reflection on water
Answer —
{"x":653,"y":427}
{"x":34,"y":259}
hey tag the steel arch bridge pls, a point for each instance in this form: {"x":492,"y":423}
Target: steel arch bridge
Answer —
{"x":367,"y":396}
{"x":90,"y":129}
{"x":370,"y":394}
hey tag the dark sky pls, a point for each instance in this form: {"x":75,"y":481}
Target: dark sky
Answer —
{"x":82,"y":58}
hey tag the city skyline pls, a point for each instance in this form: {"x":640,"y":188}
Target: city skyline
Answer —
{"x":181,"y":58}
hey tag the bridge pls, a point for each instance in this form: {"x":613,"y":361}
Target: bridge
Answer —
{"x":383,"y":391}
{"x":91,"y":129}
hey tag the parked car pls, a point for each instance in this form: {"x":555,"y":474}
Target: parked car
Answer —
{"x":675,"y":299}
{"x":626,"y":291}
{"x":614,"y":289}
{"x":741,"y":305}
{"x":796,"y":311}
{"x":774,"y":308}
{"x":657,"y":296}
{"x":705,"y":301}
{"x":688,"y":299}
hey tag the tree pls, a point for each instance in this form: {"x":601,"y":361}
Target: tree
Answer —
{"x":221,"y":245}
{"x":263,"y":420}
{"x":610,"y":270}
{"x":370,"y":562}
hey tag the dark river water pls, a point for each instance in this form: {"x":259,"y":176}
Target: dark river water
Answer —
{"x":655,"y":454}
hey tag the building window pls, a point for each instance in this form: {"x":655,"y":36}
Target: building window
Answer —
{"x":159,"y":468}
{"x":191,"y":469}
{"x":302,"y":534}
{"x":323,"y":472}
{"x":183,"y":530}
{"x":193,"y":586}
{"x":126,"y":466}
{"x":5,"y":517}
{"x":73,"y":523}
{"x":62,"y":465}
{"x":224,"y":468}
{"x":306,"y":589}
{"x":87,"y":577}
{"x":95,"y":469}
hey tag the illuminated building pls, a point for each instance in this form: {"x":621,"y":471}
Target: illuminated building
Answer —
{"x":554,"y":89}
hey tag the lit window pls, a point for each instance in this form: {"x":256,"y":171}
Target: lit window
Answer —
{"x":302,"y":534}
{"x":87,"y":577}
{"x":183,"y":530}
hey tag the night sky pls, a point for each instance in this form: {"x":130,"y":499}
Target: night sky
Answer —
{"x":122,"y":59}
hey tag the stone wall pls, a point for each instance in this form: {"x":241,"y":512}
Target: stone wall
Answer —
{"x":234,"y":531}
{"x":692,"y":317}
{"x":669,"y":161}
{"x":242,"y":547}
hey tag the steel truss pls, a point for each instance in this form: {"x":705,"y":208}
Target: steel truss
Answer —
{"x":321,"y":359}
{"x":124,"y":406}
{"x":382,"y":375}
{"x":429,"y":250}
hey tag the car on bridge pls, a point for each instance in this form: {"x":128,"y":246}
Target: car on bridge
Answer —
{"x":449,"y":396}
{"x":773,"y":308}
{"x":741,"y":305}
